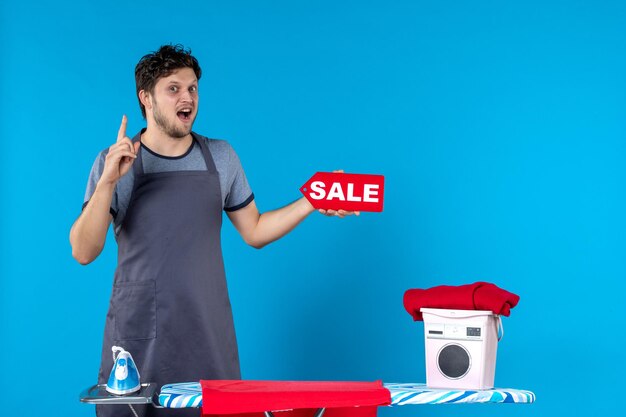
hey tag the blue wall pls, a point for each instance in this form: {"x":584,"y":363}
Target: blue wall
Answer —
{"x":500,"y":129}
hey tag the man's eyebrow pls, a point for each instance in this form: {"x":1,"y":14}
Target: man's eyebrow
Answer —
{"x":179,"y":82}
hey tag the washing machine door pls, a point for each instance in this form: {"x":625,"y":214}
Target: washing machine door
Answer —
{"x":454,"y":361}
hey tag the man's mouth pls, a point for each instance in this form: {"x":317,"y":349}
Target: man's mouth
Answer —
{"x":184,"y":115}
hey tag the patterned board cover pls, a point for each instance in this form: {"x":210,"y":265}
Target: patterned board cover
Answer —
{"x":182,"y":395}
{"x":404,"y":394}
{"x":189,"y":394}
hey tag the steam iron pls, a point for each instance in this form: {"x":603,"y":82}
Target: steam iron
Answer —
{"x":124,"y":378}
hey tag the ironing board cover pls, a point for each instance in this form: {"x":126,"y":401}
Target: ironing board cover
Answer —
{"x":189,"y":394}
{"x":405,"y":394}
{"x":181,"y":395}
{"x":244,"y":396}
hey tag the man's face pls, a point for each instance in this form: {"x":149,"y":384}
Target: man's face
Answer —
{"x":175,"y":102}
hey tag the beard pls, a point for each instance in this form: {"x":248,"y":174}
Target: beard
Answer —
{"x":168,"y":126}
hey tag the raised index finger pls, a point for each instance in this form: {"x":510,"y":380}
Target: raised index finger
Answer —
{"x":121,"y":134}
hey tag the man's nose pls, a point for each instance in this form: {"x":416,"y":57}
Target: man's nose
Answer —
{"x":186,"y":96}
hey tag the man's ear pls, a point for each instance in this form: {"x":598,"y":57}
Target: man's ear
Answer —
{"x":144,"y":97}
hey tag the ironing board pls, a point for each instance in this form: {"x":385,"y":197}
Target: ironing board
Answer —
{"x":189,"y":394}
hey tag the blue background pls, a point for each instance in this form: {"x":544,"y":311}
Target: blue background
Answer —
{"x":499,"y":127}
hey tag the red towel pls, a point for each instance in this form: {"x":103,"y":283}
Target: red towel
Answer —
{"x":476,"y":296}
{"x":298,"y":399}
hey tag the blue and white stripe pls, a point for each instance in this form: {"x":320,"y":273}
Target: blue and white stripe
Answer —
{"x":183,"y":395}
{"x":189,"y":394}
{"x":405,"y":394}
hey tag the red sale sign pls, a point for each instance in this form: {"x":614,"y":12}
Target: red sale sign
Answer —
{"x":339,"y":191}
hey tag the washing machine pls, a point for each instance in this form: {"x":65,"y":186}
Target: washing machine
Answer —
{"x":461,"y":347}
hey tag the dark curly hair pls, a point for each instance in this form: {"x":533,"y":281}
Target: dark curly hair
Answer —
{"x":162,"y":63}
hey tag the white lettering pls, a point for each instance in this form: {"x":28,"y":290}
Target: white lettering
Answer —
{"x":351,"y":196}
{"x":370,"y":191}
{"x":318,"y":190}
{"x":335,"y":192}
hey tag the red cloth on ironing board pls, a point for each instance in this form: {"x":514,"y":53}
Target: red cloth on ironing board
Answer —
{"x":297,"y":398}
{"x":476,"y":296}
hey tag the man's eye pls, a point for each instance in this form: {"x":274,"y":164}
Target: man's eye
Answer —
{"x":193,"y":89}
{"x":173,"y":89}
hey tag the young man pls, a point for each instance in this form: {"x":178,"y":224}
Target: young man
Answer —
{"x":165,"y":190}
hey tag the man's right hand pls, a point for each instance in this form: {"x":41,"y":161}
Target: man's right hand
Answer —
{"x":90,"y":229}
{"x":120,"y":157}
